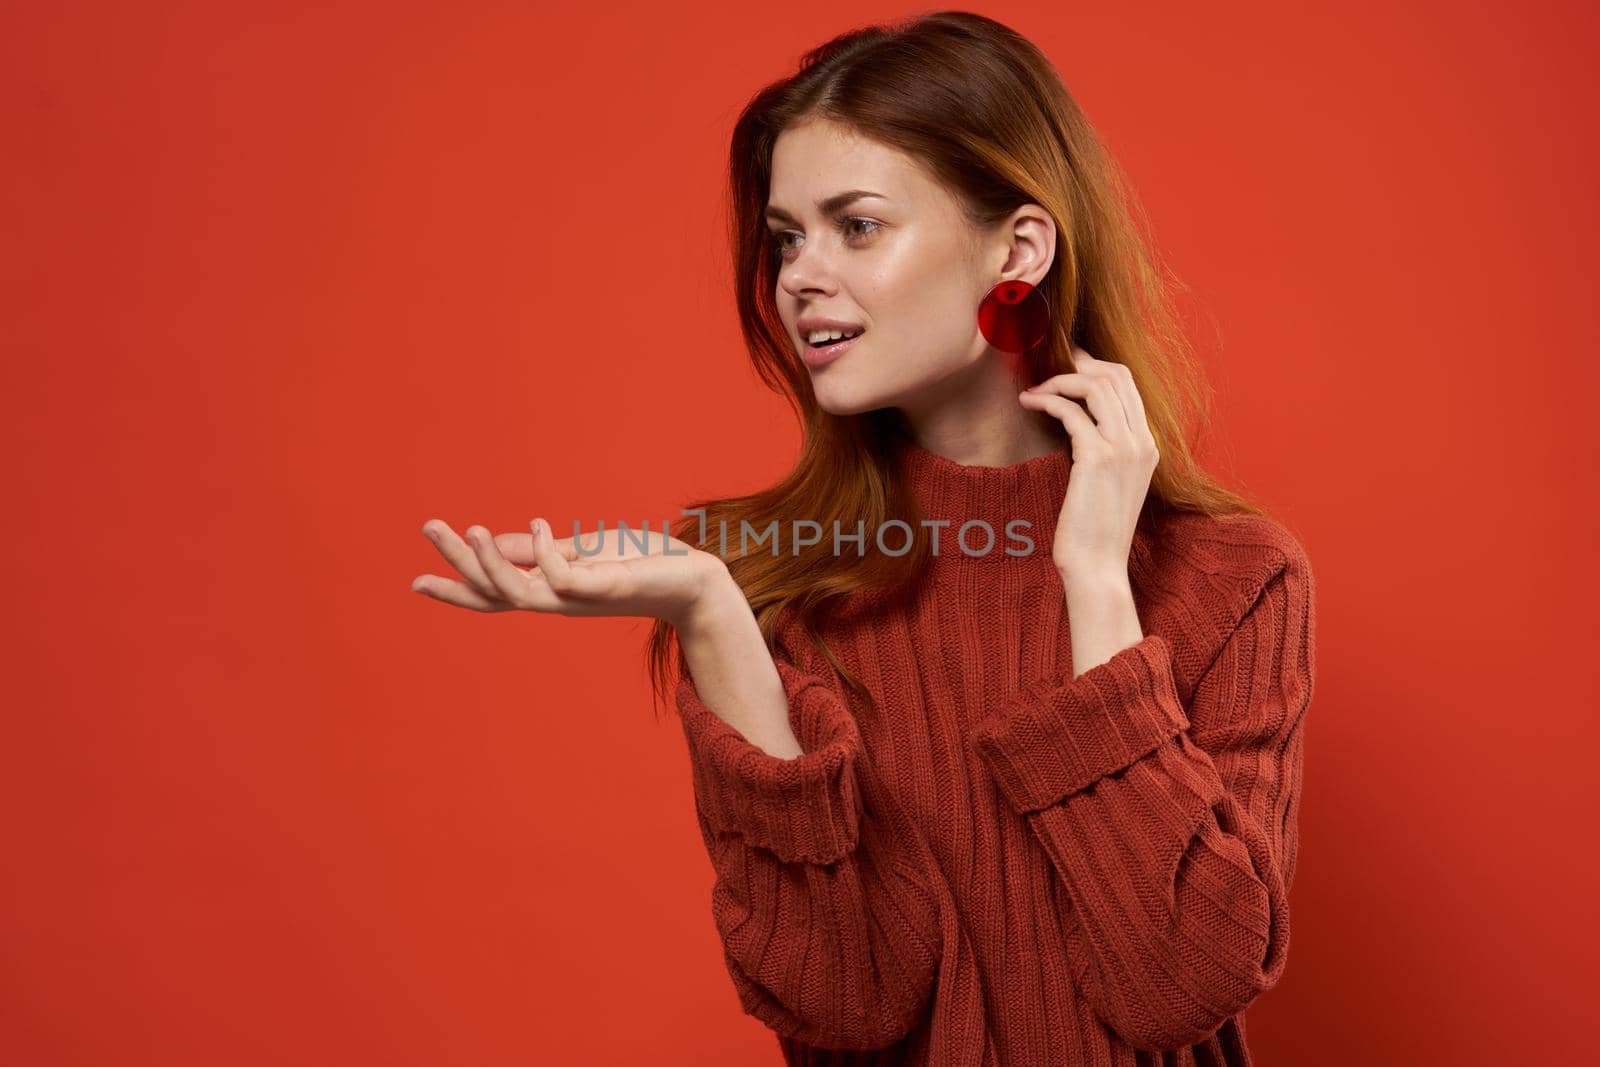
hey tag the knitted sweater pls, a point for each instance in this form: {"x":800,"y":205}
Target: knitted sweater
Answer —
{"x":1010,"y":866}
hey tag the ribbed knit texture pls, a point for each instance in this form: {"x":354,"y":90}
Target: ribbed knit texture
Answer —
{"x":1010,"y":866}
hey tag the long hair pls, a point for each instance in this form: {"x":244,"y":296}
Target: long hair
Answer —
{"x":982,"y":108}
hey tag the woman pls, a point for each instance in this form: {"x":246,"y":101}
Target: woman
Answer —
{"x":968,"y":801}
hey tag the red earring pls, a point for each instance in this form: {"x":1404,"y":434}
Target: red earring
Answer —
{"x":1014,"y":316}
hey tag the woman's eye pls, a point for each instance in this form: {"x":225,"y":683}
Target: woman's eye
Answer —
{"x":779,"y":248}
{"x":866,"y":222}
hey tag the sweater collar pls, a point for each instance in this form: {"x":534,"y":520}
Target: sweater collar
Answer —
{"x":1032,"y":490}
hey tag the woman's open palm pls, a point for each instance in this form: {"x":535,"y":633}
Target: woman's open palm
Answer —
{"x":662,"y":581}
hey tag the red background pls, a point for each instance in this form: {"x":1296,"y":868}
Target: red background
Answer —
{"x":283,"y":281}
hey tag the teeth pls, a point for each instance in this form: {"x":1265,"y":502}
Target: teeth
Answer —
{"x":817,"y":337}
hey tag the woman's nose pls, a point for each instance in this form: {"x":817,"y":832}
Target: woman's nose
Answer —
{"x":807,"y":271}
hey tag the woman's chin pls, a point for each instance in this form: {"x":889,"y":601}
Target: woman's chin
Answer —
{"x":837,"y":398}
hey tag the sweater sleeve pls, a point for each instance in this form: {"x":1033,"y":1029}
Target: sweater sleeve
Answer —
{"x":1172,"y":829}
{"x":830,"y":934}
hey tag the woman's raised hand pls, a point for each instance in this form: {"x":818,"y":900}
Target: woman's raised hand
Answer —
{"x":1114,"y":457}
{"x":664,"y":581}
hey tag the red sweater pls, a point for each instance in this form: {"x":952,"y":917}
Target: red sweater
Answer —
{"x":1013,"y":867}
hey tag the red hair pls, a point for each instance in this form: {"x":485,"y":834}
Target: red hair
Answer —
{"x":983,"y":109}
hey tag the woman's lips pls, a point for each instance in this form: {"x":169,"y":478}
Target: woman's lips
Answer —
{"x":821,"y":357}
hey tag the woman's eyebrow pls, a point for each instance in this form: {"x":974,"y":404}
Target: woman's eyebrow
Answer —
{"x":828,"y":205}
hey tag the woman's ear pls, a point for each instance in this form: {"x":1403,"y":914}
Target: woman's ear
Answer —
{"x":1030,"y":239}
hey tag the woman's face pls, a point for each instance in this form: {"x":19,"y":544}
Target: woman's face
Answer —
{"x":903,"y":265}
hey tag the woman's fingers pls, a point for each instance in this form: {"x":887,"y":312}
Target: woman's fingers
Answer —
{"x":1086,"y":436}
{"x":513,"y":585}
{"x":458,"y":593}
{"x":494,"y":584}
{"x":518,"y":548}
{"x":460,"y":555}
{"x":1122,"y":379}
{"x":566,"y":580}
{"x":1099,"y":392}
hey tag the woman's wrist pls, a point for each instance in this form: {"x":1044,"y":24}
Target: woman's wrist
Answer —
{"x":716,"y":601}
{"x":733,"y":669}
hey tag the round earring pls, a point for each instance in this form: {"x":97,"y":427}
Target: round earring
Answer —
{"x":1014,"y":316}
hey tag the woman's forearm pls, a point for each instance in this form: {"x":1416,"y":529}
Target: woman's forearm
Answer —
{"x":1101,"y":617}
{"x":732,"y":669}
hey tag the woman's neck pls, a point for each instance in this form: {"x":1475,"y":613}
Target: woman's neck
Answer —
{"x":999,"y":446}
{"x":976,"y":420}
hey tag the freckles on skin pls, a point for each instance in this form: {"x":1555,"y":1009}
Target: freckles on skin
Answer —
{"x":922,"y":298}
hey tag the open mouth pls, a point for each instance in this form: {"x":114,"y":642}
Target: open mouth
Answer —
{"x":831,"y":341}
